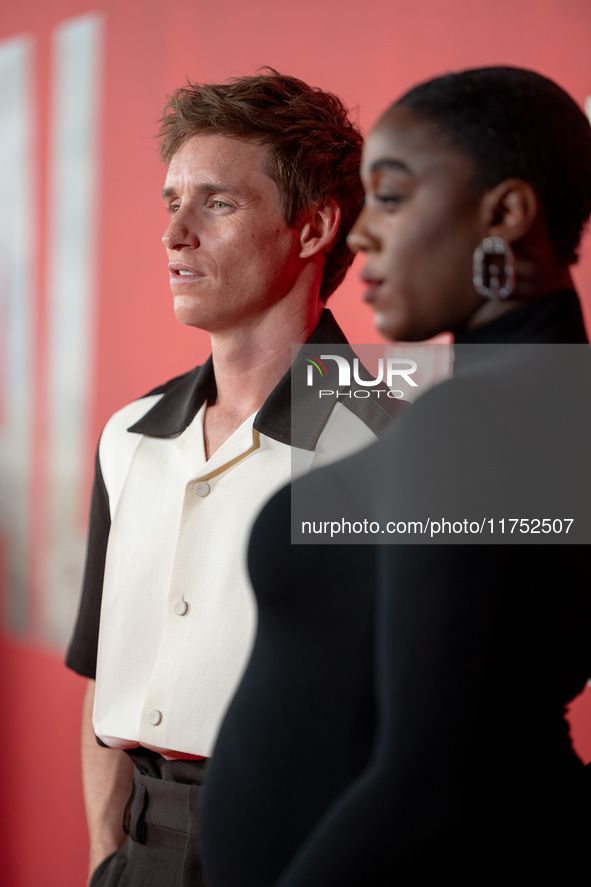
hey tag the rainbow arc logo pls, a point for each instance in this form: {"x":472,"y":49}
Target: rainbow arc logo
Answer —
{"x":314,"y":361}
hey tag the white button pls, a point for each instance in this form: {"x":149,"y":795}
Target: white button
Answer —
{"x":180,"y":607}
{"x":155,"y":717}
{"x":202,"y":488}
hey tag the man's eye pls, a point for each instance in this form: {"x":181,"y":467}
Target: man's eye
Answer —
{"x":219,"y":204}
{"x":172,"y":208}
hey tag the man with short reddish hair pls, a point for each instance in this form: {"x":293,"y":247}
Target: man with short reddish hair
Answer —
{"x":261,"y":188}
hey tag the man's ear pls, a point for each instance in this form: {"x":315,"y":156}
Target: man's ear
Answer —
{"x":319,"y":229}
{"x":510,"y":210}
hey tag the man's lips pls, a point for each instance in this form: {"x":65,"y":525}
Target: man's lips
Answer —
{"x":180,"y":273}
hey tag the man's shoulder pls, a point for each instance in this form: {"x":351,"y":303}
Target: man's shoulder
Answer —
{"x":176,"y":392}
{"x":168,"y":409}
{"x":160,"y":410}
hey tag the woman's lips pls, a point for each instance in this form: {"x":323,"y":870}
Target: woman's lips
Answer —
{"x":372,"y":285}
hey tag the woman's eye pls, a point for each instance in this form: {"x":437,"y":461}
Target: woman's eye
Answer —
{"x":388,"y":199}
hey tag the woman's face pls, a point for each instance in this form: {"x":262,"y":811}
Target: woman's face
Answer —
{"x":423,"y":216}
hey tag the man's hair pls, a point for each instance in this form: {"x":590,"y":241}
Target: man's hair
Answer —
{"x":313,"y":148}
{"x":514,"y":123}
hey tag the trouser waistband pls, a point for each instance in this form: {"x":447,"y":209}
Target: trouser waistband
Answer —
{"x":150,"y":763}
{"x":161,"y":803}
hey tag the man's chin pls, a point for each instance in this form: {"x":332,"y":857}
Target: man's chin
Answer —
{"x":188,"y":312}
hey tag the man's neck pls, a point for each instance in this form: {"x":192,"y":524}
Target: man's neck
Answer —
{"x":249,"y":362}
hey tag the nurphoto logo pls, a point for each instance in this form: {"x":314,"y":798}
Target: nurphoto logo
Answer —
{"x":390,"y":370}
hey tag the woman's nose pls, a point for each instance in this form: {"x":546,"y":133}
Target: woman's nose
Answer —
{"x":359,"y":238}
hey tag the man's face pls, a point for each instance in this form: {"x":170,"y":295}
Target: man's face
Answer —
{"x":231,"y":255}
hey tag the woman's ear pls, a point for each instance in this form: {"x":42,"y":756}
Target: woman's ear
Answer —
{"x":319,"y":229}
{"x":510,"y":210}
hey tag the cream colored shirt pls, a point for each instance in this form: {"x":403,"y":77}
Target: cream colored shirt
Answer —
{"x":178,"y":613}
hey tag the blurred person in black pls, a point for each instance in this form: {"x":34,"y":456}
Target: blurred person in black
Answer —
{"x":402,"y":714}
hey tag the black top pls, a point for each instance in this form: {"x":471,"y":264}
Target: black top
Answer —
{"x":402,"y":715}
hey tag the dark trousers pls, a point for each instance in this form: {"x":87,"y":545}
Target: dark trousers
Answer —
{"x":161,"y":848}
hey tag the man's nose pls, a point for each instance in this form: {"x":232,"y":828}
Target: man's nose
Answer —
{"x":181,"y":232}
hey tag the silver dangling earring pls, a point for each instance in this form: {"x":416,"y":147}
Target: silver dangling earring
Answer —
{"x":493,"y":268}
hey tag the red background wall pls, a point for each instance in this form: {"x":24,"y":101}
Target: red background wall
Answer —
{"x":367,"y":53}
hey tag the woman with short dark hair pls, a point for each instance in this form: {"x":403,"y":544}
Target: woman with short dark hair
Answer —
{"x":461,"y":656}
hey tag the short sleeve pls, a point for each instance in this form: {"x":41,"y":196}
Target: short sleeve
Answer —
{"x":82,"y":651}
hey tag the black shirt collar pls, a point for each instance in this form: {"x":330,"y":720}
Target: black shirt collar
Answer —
{"x":183,"y":397}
